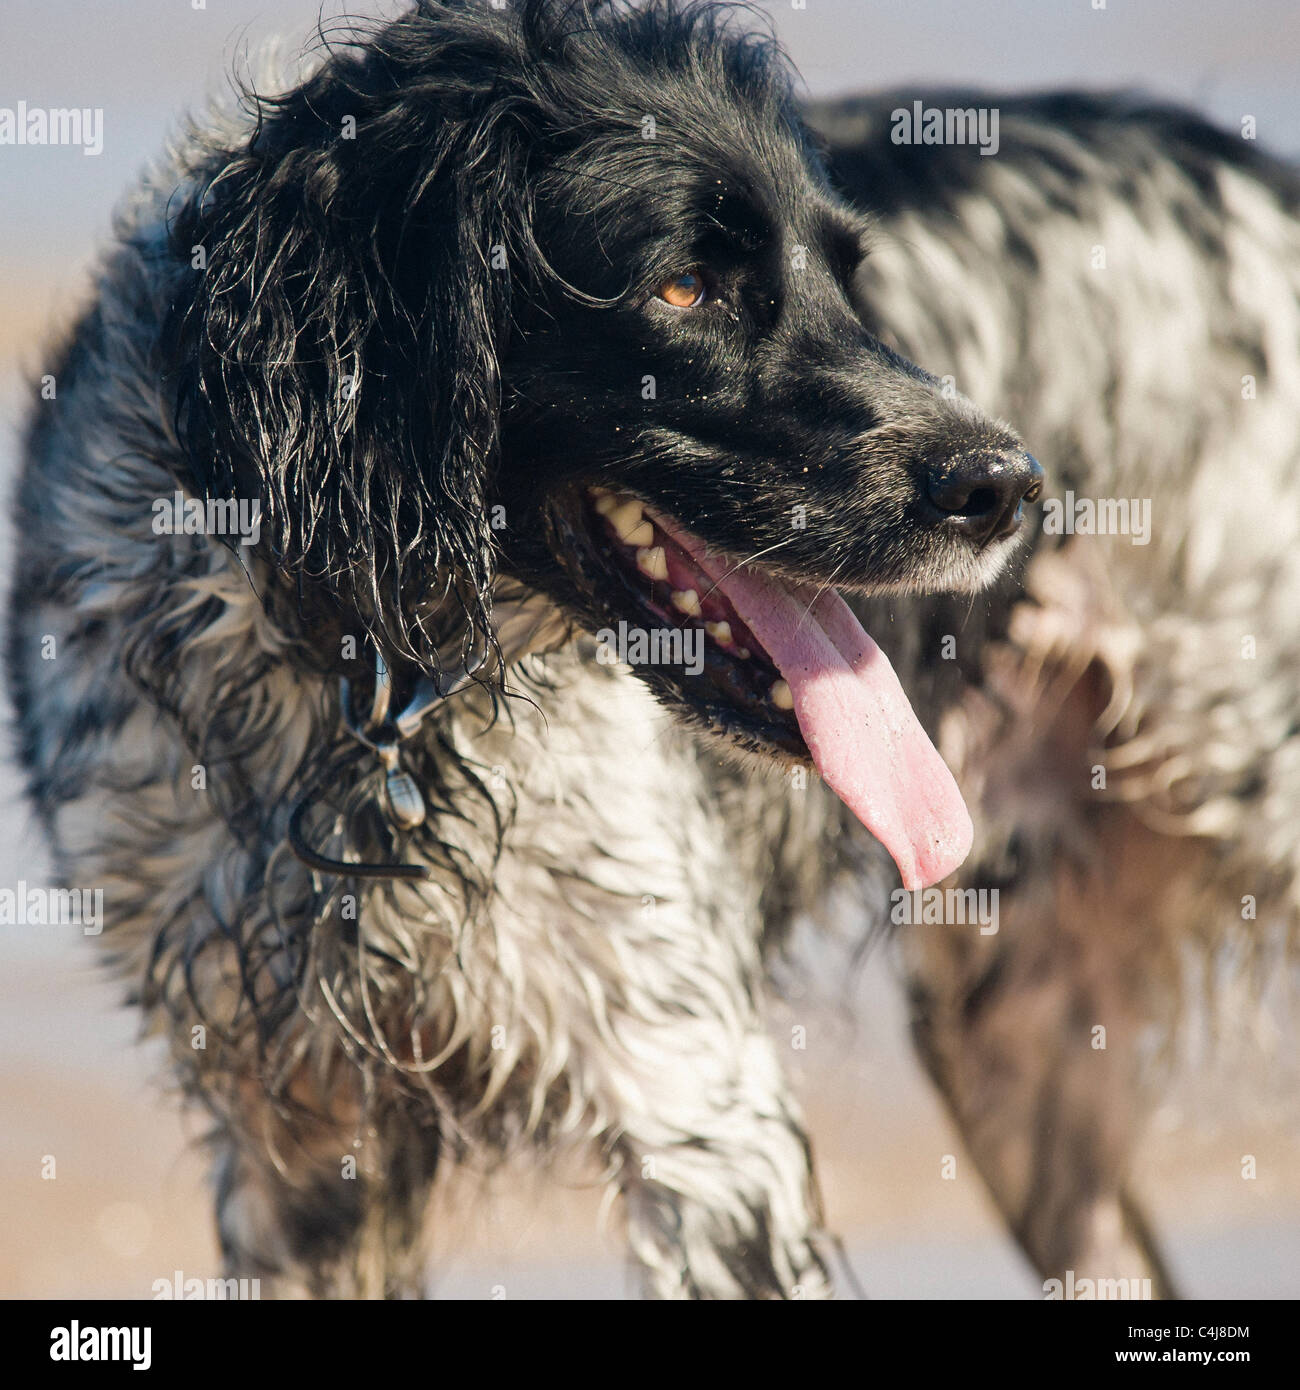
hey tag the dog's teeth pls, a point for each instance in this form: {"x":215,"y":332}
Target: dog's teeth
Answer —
{"x":652,"y":562}
{"x":720,"y":632}
{"x":640,"y":536}
{"x":687,"y":601}
{"x":605,"y":501}
{"x":743,"y":653}
{"x":781,"y":696}
{"x":625,"y":518}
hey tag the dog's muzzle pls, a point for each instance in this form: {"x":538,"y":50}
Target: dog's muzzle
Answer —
{"x":980,"y":496}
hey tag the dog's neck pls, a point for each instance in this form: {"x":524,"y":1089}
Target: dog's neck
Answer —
{"x":528,"y":623}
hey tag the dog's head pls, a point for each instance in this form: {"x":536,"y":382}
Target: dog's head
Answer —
{"x":559,"y":291}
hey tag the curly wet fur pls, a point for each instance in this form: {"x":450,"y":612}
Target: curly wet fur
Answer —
{"x":584,"y":964}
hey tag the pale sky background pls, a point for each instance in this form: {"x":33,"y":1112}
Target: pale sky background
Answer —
{"x":128,"y":1206}
{"x":144,"y":60}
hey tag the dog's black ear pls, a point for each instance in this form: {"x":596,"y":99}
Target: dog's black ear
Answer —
{"x":333,"y":348}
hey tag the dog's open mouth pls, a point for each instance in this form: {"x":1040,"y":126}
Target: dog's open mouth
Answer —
{"x":787,"y":665}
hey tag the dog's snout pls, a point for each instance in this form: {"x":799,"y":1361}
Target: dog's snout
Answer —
{"x":980,"y":495}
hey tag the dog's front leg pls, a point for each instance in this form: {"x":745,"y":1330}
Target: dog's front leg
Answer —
{"x":317,"y":1198}
{"x":714,"y":1167}
{"x":655,"y":974}
{"x":709,"y":1150}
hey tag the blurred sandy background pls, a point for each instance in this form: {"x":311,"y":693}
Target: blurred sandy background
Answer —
{"x":129,"y":1206}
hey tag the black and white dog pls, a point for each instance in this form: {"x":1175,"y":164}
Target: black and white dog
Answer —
{"x":428,"y":625}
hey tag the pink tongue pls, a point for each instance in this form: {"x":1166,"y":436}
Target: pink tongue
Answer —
{"x":859,"y":727}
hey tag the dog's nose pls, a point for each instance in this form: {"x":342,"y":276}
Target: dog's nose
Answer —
{"x":980,"y":495}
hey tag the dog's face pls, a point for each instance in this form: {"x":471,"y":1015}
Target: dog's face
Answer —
{"x":570,"y":300}
{"x":712,"y":385}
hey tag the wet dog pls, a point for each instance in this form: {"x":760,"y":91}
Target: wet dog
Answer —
{"x":578,"y":416}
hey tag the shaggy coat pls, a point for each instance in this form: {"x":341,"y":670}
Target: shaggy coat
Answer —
{"x":411,"y":307}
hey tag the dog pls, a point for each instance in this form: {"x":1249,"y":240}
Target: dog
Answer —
{"x":440,"y":622}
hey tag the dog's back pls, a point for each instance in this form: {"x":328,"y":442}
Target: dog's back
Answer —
{"x":1124,"y":282}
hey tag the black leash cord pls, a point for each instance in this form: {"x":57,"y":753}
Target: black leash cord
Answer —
{"x":340,"y":868}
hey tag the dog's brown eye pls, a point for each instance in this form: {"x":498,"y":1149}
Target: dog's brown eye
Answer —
{"x":683,"y":291}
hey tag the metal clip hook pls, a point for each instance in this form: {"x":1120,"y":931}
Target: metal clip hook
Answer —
{"x":384,"y":735}
{"x":403,"y":802}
